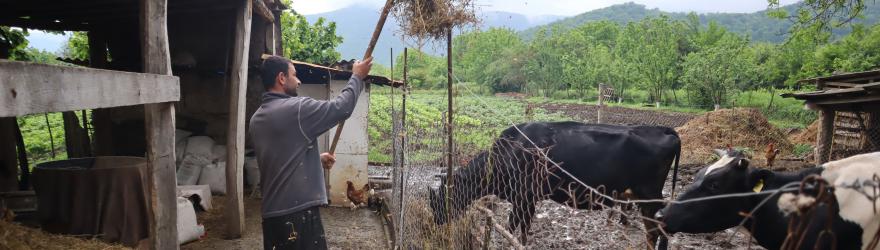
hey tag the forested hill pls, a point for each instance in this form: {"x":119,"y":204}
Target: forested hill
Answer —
{"x":758,"y":25}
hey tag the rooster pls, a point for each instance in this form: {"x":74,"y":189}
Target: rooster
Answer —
{"x":358,"y":198}
{"x":771,"y":154}
{"x":6,"y":214}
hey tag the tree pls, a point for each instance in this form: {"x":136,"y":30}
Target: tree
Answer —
{"x":474,"y":51}
{"x":77,"y":46}
{"x":425,"y":71}
{"x":821,"y":15}
{"x":314,"y":43}
{"x":651,"y":51}
{"x":13,"y":43}
{"x":710,"y":74}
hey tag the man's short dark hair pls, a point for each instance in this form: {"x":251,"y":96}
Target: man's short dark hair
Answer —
{"x":270,"y":69}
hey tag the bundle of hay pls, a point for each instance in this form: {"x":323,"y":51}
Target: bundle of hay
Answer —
{"x":15,"y":236}
{"x":432,"y":19}
{"x":807,"y":136}
{"x":742,"y":128}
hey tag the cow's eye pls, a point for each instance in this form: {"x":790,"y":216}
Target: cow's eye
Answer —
{"x":713,"y":186}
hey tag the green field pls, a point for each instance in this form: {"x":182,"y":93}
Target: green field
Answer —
{"x":479,"y":118}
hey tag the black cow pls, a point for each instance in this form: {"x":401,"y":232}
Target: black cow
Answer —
{"x":854,"y":222}
{"x":616,"y":158}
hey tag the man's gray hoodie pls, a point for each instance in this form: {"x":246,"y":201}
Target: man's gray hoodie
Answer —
{"x":284,"y":131}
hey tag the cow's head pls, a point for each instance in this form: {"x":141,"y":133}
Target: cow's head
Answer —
{"x":730,"y":174}
{"x":467,"y":185}
{"x":437,"y":201}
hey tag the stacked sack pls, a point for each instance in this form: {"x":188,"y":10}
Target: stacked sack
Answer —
{"x":202,"y":162}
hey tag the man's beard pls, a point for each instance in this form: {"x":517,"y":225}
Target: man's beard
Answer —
{"x":291,"y":91}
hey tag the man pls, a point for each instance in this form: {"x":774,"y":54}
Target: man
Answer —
{"x":285,"y":130}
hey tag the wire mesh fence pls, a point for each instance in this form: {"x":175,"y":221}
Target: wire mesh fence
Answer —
{"x":477,"y":204}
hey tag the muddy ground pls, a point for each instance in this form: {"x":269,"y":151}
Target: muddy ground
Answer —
{"x":618,"y":115}
{"x":344,"y":228}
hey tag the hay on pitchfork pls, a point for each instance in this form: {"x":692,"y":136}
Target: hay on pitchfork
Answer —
{"x":424,"y":20}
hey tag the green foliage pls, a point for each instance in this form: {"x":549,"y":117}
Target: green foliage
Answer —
{"x":711,"y":73}
{"x":819,"y":14}
{"x":477,"y":50}
{"x":771,"y":25}
{"x":13,"y":43}
{"x":77,"y":46}
{"x":42,"y":56}
{"x":478,"y":120}
{"x":314,"y":43}
{"x":425,"y":71}
{"x":38,"y":144}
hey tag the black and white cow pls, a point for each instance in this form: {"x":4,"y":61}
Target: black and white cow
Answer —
{"x":614,"y":157}
{"x":854,"y":221}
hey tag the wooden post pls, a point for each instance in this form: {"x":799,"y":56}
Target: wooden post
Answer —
{"x":103,"y":136}
{"x":825,"y":135}
{"x":24,"y":167}
{"x":601,"y":103}
{"x":235,"y":133}
{"x":449,"y":122}
{"x":8,"y":162}
{"x":402,"y":136}
{"x":276,"y":26}
{"x":75,"y":137}
{"x":159,"y":123}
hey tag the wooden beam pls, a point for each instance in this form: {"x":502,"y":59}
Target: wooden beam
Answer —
{"x":159,"y":123}
{"x":29,"y":88}
{"x":279,"y":49}
{"x":235,"y":133}
{"x":263,"y":11}
{"x":847,"y":100}
{"x":826,"y":133}
{"x":8,"y":155}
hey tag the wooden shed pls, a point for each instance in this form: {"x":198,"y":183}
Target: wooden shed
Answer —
{"x":197,"y":64}
{"x":849,"y":113}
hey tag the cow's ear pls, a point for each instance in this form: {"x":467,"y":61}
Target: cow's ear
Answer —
{"x":720,"y":152}
{"x":742,"y":163}
{"x":758,"y":177}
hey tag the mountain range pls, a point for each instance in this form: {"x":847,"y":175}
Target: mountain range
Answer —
{"x":355,"y":24}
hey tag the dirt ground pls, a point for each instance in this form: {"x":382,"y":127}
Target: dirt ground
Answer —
{"x":618,"y":115}
{"x":556,"y":226}
{"x":344,"y":228}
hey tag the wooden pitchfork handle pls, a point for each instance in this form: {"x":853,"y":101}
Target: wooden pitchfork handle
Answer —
{"x":368,"y":54}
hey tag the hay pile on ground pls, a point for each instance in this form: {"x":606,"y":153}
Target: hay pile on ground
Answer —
{"x":421,"y":232}
{"x":742,"y":128}
{"x":18,"y":237}
{"x":807,"y":136}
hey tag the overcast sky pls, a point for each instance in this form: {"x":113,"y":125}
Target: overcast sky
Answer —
{"x":561,"y":7}
{"x":530,"y":8}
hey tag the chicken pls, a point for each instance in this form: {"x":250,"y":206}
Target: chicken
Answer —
{"x":771,"y":154}
{"x":6,"y":214}
{"x":358,"y":198}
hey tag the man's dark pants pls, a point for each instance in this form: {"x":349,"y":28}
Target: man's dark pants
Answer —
{"x":299,"y":230}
